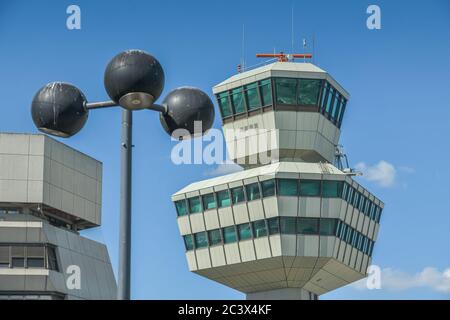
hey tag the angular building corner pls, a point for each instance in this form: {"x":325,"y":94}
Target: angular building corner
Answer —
{"x":293,"y":227}
{"x":48,"y":193}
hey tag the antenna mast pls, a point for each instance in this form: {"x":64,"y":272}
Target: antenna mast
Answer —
{"x":292,"y":28}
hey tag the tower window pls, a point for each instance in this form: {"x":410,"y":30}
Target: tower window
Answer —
{"x":229,"y":235}
{"x":194,"y":205}
{"x":252,"y":191}
{"x":18,"y":256}
{"x":237,"y":98}
{"x":214,"y":237}
{"x":35,"y":257}
{"x":266,"y":92}
{"x":286,"y":89}
{"x":181,"y":207}
{"x":188,"y":242}
{"x":223,"y":198}
{"x":259,"y":228}
{"x":273,"y":225}
{"x":310,"y":188}
{"x":308,"y":226}
{"x":224,"y":104}
{"x":245,"y":232}
{"x":252,"y":96}
{"x":237,"y":195}
{"x":288,"y":225}
{"x":336,"y":105}
{"x":268,"y":188}
{"x":329,"y":100}
{"x":327,"y":227}
{"x":332,"y":189}
{"x":288,"y":187}
{"x":309,"y":91}
{"x":209,"y":201}
{"x":201,"y":241}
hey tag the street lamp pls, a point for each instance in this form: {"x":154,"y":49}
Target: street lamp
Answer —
{"x":134,"y":80}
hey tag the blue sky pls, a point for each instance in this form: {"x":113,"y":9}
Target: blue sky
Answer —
{"x":398,"y":113}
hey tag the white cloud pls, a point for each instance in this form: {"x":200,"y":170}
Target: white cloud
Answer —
{"x":396,"y":280}
{"x":224,"y":168}
{"x":383,"y":173}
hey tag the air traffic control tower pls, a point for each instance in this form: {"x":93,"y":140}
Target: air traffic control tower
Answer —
{"x":293,"y":227}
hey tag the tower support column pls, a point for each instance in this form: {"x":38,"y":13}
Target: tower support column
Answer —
{"x":283,"y":294}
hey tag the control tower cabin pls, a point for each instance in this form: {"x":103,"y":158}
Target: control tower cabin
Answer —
{"x":48,"y":193}
{"x":291,"y":225}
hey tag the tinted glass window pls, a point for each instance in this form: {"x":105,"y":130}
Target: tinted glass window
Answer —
{"x":35,"y":263}
{"x":252,"y":96}
{"x":286,"y":90}
{"x":51,"y":257}
{"x":288,"y":187}
{"x":194,"y":205}
{"x":310,"y":188}
{"x":215,"y":237}
{"x":259,"y":228}
{"x":335,"y":106}
{"x":349,"y":194}
{"x":309,"y":91}
{"x":229,"y":234}
{"x":273,"y":225}
{"x":252,"y":191}
{"x":237,"y":194}
{"x":224,"y":104}
{"x":18,"y":262}
{"x":355,"y":199}
{"x":308,"y":226}
{"x":268,"y":188}
{"x":201,"y":240}
{"x":327,"y":227}
{"x":288,"y":225}
{"x":332,"y":189}
{"x":329,"y":99}
{"x":181,"y":208}
{"x":266,"y":92}
{"x":223,"y":198}
{"x":209,"y":201}
{"x":324,"y":97}
{"x":238,"y":100}
{"x":341,"y":107}
{"x":245,"y":232}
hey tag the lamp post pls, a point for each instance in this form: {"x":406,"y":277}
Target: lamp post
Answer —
{"x":134,"y":80}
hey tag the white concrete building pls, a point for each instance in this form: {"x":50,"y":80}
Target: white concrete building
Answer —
{"x":291,"y":225}
{"x":48,"y":193}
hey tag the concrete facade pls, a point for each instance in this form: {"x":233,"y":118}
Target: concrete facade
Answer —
{"x":48,"y":193}
{"x":38,"y":170}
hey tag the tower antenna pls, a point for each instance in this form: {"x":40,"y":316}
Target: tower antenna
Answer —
{"x":292,"y":28}
{"x":243,"y":47}
{"x":314,"y":47}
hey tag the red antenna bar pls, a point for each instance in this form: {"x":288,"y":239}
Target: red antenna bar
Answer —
{"x":302,"y":55}
{"x":283,"y":57}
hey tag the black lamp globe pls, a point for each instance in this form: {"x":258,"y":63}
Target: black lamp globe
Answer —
{"x":184,"y":106}
{"x":134,"y":79}
{"x":59,"y":109}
